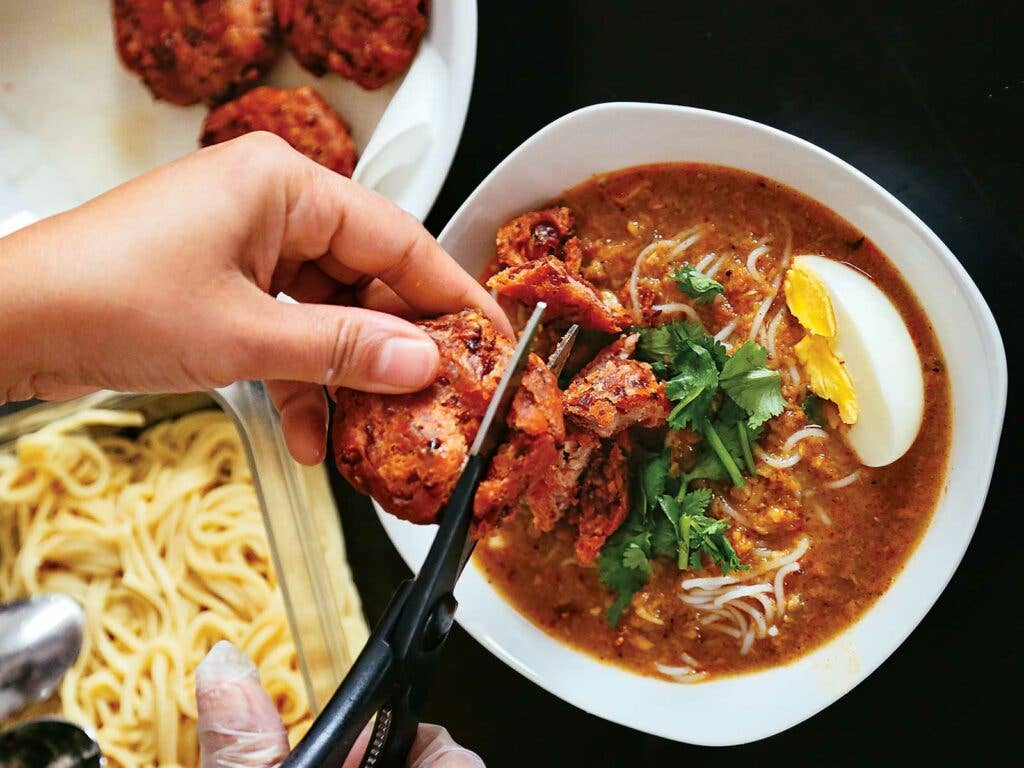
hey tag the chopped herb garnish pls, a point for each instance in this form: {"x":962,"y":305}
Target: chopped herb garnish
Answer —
{"x":724,"y":398}
{"x":624,"y":565}
{"x":743,"y":431}
{"x":666,"y":520}
{"x":699,"y":372}
{"x":722,"y":452}
{"x":752,"y":385}
{"x":697,"y":285}
{"x":814,"y":410}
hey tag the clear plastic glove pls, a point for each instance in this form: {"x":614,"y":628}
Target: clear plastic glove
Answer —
{"x":240,"y":728}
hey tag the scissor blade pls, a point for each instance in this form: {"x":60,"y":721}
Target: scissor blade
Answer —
{"x":558,"y":358}
{"x":556,"y":362}
{"x":492,"y":426}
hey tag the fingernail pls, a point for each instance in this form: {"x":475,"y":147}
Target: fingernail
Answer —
{"x":224,"y":662}
{"x":405,"y":363}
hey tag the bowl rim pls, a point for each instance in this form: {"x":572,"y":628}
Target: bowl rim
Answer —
{"x":408,"y":541}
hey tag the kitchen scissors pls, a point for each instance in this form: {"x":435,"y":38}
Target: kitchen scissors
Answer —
{"x":390,"y":677}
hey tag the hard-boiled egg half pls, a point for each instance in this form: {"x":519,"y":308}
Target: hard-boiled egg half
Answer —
{"x":857,"y":353}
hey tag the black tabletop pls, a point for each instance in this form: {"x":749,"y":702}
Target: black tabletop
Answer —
{"x":929,"y":102}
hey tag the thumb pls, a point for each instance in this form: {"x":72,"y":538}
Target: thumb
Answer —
{"x":435,"y":748}
{"x":337,"y":346}
{"x":238,"y":724}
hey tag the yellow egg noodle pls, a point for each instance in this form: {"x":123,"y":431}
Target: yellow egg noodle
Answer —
{"x":161,"y":539}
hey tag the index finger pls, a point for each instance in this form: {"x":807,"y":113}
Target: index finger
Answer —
{"x":353,"y":233}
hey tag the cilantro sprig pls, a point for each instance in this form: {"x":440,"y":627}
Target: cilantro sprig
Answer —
{"x":667,"y":520}
{"x":699,"y":373}
{"x":726,"y":399}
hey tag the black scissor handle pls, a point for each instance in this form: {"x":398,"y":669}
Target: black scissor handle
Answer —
{"x":421,"y":631}
{"x":366,"y":688}
{"x":389,"y":676}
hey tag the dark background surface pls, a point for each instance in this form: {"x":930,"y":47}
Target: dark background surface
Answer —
{"x":928,"y":102}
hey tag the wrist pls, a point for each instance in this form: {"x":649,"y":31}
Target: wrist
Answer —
{"x":29,"y":312}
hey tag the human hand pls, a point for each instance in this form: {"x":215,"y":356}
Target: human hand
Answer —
{"x":239,"y":727}
{"x":167,"y":282}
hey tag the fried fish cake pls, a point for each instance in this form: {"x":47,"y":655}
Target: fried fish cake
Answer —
{"x":407,"y":450}
{"x":369,"y":41}
{"x":539,"y":235}
{"x":534,"y":445}
{"x":570,"y":298}
{"x":190,"y":50}
{"x":614,"y":392}
{"x":604,"y":497}
{"x":300,"y":116}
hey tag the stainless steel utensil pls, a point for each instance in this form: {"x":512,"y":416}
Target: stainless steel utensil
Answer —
{"x":39,"y":640}
{"x":49,"y":743}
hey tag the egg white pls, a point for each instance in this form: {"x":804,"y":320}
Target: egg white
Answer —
{"x":875,"y":345}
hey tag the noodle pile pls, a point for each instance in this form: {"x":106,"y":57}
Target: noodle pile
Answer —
{"x":162,"y":541}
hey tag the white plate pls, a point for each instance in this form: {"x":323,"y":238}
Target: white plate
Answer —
{"x":74,"y":122}
{"x":747,"y":707}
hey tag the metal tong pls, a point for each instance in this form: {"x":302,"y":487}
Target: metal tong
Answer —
{"x":390,"y":677}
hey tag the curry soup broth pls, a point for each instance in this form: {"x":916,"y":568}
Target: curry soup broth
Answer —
{"x":859,"y":535}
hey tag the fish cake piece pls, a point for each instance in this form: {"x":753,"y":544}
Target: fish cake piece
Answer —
{"x":300,"y":116}
{"x":369,"y":41}
{"x":194,"y":50}
{"x":536,"y":436}
{"x":568,"y":297}
{"x":614,"y":392}
{"x":538,"y":235}
{"x":604,"y":497}
{"x":407,"y":451}
{"x":557,"y":489}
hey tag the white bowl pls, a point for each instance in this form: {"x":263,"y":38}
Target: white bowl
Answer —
{"x":747,"y":707}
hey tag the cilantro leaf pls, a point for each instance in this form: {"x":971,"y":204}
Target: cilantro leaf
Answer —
{"x":665,"y":347}
{"x":654,"y":476}
{"x":708,"y":465}
{"x":813,"y":409}
{"x":623,"y":565}
{"x":702,"y":535}
{"x":692,"y":388}
{"x":724,"y":453}
{"x":673,"y":513}
{"x":690,"y":360}
{"x":696,"y":502}
{"x":664,"y":537}
{"x":707,"y":537}
{"x":622,"y":600}
{"x":656,"y":344}
{"x":697,"y":285}
{"x":635,"y":557}
{"x":697,"y":534}
{"x":752,"y":385}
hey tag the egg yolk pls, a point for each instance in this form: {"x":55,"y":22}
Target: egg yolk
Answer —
{"x":827,"y":374}
{"x":808,"y":300}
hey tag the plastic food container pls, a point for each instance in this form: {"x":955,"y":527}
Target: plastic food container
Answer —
{"x":301,"y":520}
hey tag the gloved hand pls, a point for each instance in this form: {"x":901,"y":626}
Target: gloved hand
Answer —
{"x":240,"y":728}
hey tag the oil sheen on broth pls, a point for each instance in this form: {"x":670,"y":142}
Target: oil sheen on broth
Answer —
{"x":833,"y":534}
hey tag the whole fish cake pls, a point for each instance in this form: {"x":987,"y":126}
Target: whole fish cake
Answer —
{"x":407,"y":450}
{"x":300,"y":116}
{"x":369,"y":41}
{"x":190,"y":50}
